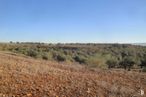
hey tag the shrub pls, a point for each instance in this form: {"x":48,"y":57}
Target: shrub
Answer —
{"x":61,"y":57}
{"x":144,"y":69}
{"x":80,"y":59}
{"x":45,"y":56}
{"x":111,"y":63}
{"x":58,"y":56}
{"x":32,"y":53}
{"x":143,"y":63}
{"x":127,"y":63}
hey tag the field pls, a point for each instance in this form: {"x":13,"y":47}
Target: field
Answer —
{"x":23,"y":76}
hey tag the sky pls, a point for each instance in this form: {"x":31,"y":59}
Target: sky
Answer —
{"x":71,"y":21}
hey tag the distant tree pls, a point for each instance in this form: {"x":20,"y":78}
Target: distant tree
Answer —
{"x":143,"y":63}
{"x":45,"y":56}
{"x":127,"y":63}
{"x":80,"y":59}
{"x":32,"y":53}
{"x":11,"y":42}
{"x":144,"y":69}
{"x":17,"y":43}
{"x":112,"y":63}
{"x":60,"y":58}
{"x":124,"y":54}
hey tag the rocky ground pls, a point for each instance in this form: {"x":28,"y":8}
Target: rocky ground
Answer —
{"x":22,"y":76}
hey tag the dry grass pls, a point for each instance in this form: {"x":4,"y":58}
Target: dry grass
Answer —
{"x":22,"y":76}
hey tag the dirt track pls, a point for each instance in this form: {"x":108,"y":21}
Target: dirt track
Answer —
{"x":26,"y":77}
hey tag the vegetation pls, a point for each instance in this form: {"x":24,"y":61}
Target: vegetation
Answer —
{"x":32,"y":53}
{"x":112,"y":63}
{"x":27,"y":77}
{"x":144,"y":69}
{"x":127,"y":63}
{"x":105,"y":56}
{"x":80,"y":59}
{"x":45,"y":56}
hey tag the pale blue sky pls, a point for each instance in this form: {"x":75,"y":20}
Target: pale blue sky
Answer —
{"x":73,"y":20}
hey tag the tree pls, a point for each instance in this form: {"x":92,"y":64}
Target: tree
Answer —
{"x":143,"y":63}
{"x":127,"y":63}
{"x":112,"y":63}
{"x":61,"y":58}
{"x":11,"y":42}
{"x":45,"y":56}
{"x":32,"y":53}
{"x":80,"y":59}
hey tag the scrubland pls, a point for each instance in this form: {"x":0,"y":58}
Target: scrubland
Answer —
{"x":23,"y":76}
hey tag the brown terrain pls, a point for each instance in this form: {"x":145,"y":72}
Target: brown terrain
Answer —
{"x":22,"y":76}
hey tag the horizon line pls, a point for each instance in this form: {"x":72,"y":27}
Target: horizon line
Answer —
{"x":73,"y":42}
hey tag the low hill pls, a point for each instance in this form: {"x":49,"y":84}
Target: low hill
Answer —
{"x":22,"y":76}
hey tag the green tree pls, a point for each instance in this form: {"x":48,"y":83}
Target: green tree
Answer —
{"x":143,"y":63}
{"x":61,"y":57}
{"x":80,"y":59}
{"x":45,"y":56}
{"x":127,"y":63}
{"x":112,"y":63}
{"x":32,"y":53}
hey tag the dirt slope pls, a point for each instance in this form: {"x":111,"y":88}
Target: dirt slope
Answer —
{"x":26,"y":77}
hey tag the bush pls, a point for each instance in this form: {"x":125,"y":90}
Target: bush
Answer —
{"x":143,"y":63}
{"x":32,"y":53}
{"x":112,"y":63}
{"x":80,"y":59}
{"x":127,"y":63}
{"x":45,"y":56}
{"x":61,"y":57}
{"x":144,"y":69}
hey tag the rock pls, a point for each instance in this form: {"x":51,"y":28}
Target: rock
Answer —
{"x":29,"y":95}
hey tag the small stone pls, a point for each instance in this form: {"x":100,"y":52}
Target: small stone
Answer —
{"x":88,"y":90}
{"x":29,"y":95}
{"x":141,"y":92}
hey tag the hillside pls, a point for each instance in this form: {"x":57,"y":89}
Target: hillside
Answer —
{"x":22,"y":76}
{"x":105,"y":56}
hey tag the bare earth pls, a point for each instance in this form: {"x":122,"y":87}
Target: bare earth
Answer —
{"x":22,"y":76}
